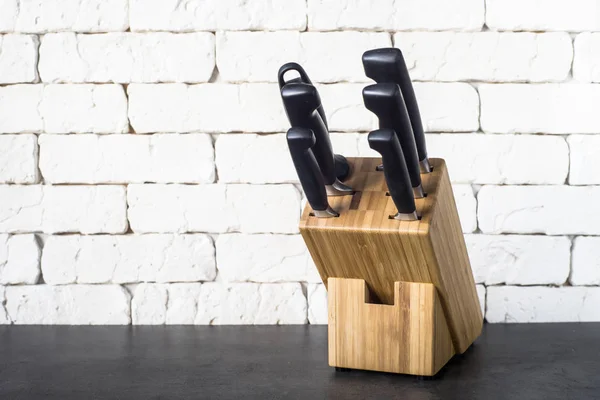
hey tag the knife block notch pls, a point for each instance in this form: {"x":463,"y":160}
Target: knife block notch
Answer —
{"x":394,"y":259}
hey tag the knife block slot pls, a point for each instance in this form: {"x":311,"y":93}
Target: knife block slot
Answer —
{"x":410,"y":336}
{"x":388,"y":255}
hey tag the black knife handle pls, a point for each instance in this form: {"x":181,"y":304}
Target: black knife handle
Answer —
{"x":303,"y":78}
{"x":301,"y":102}
{"x":388,"y":65}
{"x":385,"y":142}
{"x":385,"y":101}
{"x":300,"y":141}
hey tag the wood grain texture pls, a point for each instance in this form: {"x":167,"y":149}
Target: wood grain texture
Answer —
{"x":410,"y":337}
{"x":364,"y":243}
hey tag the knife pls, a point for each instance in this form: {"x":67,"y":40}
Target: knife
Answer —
{"x":388,"y":65}
{"x":385,"y":100}
{"x":385,"y":142}
{"x":300,"y":141}
{"x":342,"y":167}
{"x":302,"y":102}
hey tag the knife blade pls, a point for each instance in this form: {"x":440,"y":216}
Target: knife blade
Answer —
{"x":388,"y":65}
{"x":300,"y":141}
{"x":386,"y":143}
{"x":386,"y":102}
{"x":302,"y":102}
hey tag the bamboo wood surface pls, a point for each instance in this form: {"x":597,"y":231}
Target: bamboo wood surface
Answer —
{"x":410,"y":337}
{"x":363,"y":243}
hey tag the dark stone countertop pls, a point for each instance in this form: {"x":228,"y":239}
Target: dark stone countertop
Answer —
{"x":536,"y":361}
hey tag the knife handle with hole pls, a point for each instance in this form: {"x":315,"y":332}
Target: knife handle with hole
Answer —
{"x":303,"y":78}
{"x":300,"y":141}
{"x":301,"y":102}
{"x":386,"y":143}
{"x":386,"y":102}
{"x":388,"y":65}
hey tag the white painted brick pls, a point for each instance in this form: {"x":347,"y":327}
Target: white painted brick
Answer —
{"x":182,"y":304}
{"x":179,"y":208}
{"x":185,"y":158}
{"x":481,"y":295}
{"x":542,"y":304}
{"x":56,"y":209}
{"x":214,"y":208}
{"x":4,"y":320}
{"x":587,"y":57}
{"x":551,"y":210}
{"x":157,"y":304}
{"x":448,"y":107}
{"x":396,"y":15}
{"x":3,"y":248}
{"x":127,"y":57}
{"x":264,"y":208}
{"x":149,"y":304}
{"x":544,"y":108}
{"x":543,"y":15}
{"x":317,"y":304}
{"x":18,"y":159}
{"x":63,"y":109}
{"x":68,"y":305}
{"x":344,"y":108}
{"x":486,"y":56}
{"x":215,"y":15}
{"x":240,"y":158}
{"x":84,"y":108}
{"x":206,"y":108}
{"x":19,"y":108}
{"x":128,"y":259}
{"x":264,"y":258}
{"x":40,"y":16}
{"x":585,"y":166}
{"x":327,"y":57}
{"x":21,"y":264}
{"x":18,"y":58}
{"x":502,"y":159}
{"x":586,"y":261}
{"x":251,"y":303}
{"x":519,"y":260}
{"x":467,"y":207}
{"x":351,"y":145}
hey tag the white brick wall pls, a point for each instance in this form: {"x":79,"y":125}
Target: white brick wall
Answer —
{"x":128,"y":259}
{"x":60,"y":209}
{"x":264,"y":258}
{"x":127,"y":158}
{"x":18,"y":58}
{"x":68,"y":305}
{"x":335,"y":57}
{"x":18,"y":159}
{"x":542,"y":15}
{"x":486,"y":56}
{"x":41,"y":16}
{"x":544,"y":108}
{"x":145,"y":177}
{"x":127,"y":57}
{"x":396,"y":15}
{"x":216,"y":15}
{"x":63,"y":109}
{"x":19,"y":259}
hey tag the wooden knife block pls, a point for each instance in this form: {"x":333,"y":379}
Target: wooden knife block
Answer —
{"x":401,"y":293}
